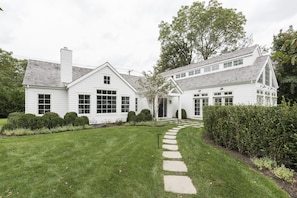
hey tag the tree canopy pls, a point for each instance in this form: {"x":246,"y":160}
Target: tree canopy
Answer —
{"x":284,"y":55}
{"x":154,"y":87}
{"x":198,"y":32}
{"x":12,"y":97}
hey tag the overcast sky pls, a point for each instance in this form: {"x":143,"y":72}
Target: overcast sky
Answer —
{"x":123,"y":33}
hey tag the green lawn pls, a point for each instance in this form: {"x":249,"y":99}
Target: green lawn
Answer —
{"x":217,"y":174}
{"x":119,"y":162}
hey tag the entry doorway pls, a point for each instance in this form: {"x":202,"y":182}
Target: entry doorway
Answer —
{"x":162,"y":108}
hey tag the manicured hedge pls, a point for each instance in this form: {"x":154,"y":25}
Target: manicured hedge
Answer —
{"x":255,"y":131}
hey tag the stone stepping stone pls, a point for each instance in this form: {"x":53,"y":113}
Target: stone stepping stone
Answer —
{"x":179,"y":184}
{"x":176,"y":166}
{"x":166,"y":141}
{"x":172,"y":154}
{"x":171,"y":137}
{"x":173,"y":130}
{"x":170,"y":133}
{"x":170,"y":147}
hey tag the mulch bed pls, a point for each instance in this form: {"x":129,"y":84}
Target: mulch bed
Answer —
{"x":291,"y":189}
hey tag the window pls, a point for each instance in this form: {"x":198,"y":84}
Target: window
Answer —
{"x":199,"y":103}
{"x":267,"y":75}
{"x":44,"y":103}
{"x":191,"y":73}
{"x":182,"y":75}
{"x":215,"y":67}
{"x":136,"y":104}
{"x":261,"y":79}
{"x":106,"y":101}
{"x":106,"y":79}
{"x":260,"y":100}
{"x":197,"y":71}
{"x":238,"y":62}
{"x":125,"y":104}
{"x":177,"y":76}
{"x":83,"y":104}
{"x":228,"y":64}
{"x":218,"y":101}
{"x":229,"y":101}
{"x":207,"y":69}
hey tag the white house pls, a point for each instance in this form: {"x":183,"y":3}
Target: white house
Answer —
{"x":105,"y":95}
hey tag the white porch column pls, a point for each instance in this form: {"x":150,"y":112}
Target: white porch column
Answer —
{"x":179,"y":108}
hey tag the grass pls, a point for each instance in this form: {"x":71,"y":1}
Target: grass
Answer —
{"x":217,"y":174}
{"x":119,"y":162}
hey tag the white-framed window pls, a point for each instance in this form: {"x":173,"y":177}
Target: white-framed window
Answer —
{"x":197,"y":71}
{"x":267,"y":75}
{"x":228,"y":64}
{"x":199,"y":103}
{"x":191,"y":73}
{"x":182,"y":75}
{"x":107,"y":80}
{"x":223,"y":98}
{"x":125,"y":104}
{"x":44,"y":103}
{"x":228,"y":101}
{"x":207,"y":69}
{"x":238,"y":62}
{"x":215,"y":67}
{"x":136,"y":104}
{"x":177,"y":76}
{"x":84,"y":103}
{"x":260,"y":100}
{"x":106,"y":101}
{"x":218,"y":101}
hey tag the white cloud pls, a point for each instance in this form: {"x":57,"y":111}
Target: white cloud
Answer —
{"x":124,"y":33}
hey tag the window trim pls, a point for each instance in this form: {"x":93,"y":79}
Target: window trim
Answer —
{"x":44,"y":104}
{"x":106,"y":101}
{"x":125,"y":104}
{"x":86,"y":107}
{"x":106,"y":79}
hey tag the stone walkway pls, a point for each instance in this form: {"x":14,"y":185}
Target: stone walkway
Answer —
{"x":176,"y":181}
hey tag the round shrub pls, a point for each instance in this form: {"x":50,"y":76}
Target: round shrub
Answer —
{"x":7,"y":126}
{"x":13,"y":118}
{"x":131,"y":116}
{"x":147,"y":115}
{"x":70,"y":117}
{"x":184,"y":114}
{"x":52,"y":120}
{"x":140,"y":117}
{"x":81,"y":121}
{"x":25,"y":121}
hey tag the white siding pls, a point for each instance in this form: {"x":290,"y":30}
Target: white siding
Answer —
{"x":58,"y":100}
{"x":90,"y":85}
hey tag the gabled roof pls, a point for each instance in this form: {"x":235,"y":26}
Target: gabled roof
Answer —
{"x":225,"y":57}
{"x":237,"y":75}
{"x":41,"y":73}
{"x":133,"y":81}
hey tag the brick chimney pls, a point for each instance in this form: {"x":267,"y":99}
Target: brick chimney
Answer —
{"x":66,"y":65}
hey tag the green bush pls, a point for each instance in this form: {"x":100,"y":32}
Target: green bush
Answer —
{"x":147,"y":115}
{"x":264,"y":163}
{"x":52,"y":120}
{"x":13,"y":118}
{"x":70,"y":117}
{"x":131,"y":117}
{"x":141,"y":117}
{"x":184,"y":114}
{"x":5,"y":127}
{"x":81,"y":121}
{"x":284,"y":173}
{"x":255,"y":131}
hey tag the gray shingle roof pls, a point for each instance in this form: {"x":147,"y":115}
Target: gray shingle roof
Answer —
{"x":42,"y":73}
{"x":224,"y":57}
{"x":133,"y":81}
{"x":228,"y":77}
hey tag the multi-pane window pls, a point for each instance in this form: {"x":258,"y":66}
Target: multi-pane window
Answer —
{"x":191,"y":73}
{"x":215,"y":67}
{"x":223,"y":98}
{"x":125,"y":104}
{"x":218,"y":101}
{"x":106,"y":101}
{"x":177,"y":76}
{"x":44,"y":103}
{"x":228,"y":64}
{"x":83,"y":104}
{"x":136,"y":104}
{"x":238,"y":62}
{"x":229,"y":101}
{"x":207,"y":69}
{"x":261,"y":79}
{"x":197,"y":71}
{"x":267,"y":75}
{"x":106,"y":79}
{"x":182,"y":75}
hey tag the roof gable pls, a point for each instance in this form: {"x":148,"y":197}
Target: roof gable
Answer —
{"x":108,"y":65}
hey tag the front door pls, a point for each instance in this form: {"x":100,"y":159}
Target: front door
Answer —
{"x":199,"y":104}
{"x":162,"y":108}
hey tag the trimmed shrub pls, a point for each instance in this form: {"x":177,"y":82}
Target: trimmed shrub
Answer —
{"x":184,"y":114}
{"x":70,"y":117}
{"x":147,"y":115}
{"x":52,"y":120}
{"x":6,"y":127}
{"x":13,"y":118}
{"x":81,"y":121}
{"x":131,"y":117}
{"x":141,"y":117}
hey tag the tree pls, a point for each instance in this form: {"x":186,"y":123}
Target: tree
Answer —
{"x":284,"y":55}
{"x":199,"y":32}
{"x":12,"y":96}
{"x":154,"y":87}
